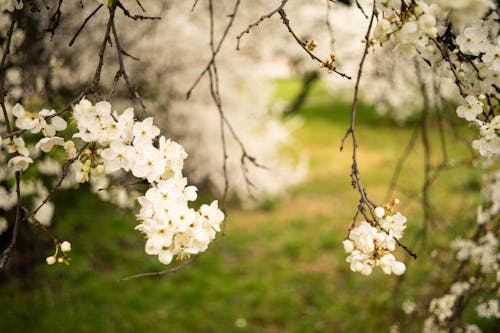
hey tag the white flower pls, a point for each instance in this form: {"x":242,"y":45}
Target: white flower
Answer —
{"x":382,"y":30}
{"x":472,"y":329}
{"x":488,"y":146}
{"x":427,"y":24}
{"x":16,"y":145}
{"x":442,"y":307}
{"x":360,"y":262}
{"x":46,"y":144}
{"x":395,"y":223}
{"x":488,"y":309}
{"x":473,"y":40}
{"x":409,"y":306}
{"x":363,"y":237}
{"x":50,"y":260}
{"x":126,"y":125}
{"x":144,"y":132}
{"x":65,"y":246}
{"x":458,"y":288}
{"x":81,"y":171}
{"x":470,"y":111}
{"x":398,"y":268}
{"x":213,"y":214}
{"x":70,"y":149}
{"x":19,"y":163}
{"x":408,"y":33}
{"x":118,"y":156}
{"x":348,"y":245}
{"x":45,"y":213}
{"x":26,"y":120}
{"x":174,"y":154}
{"x":379,"y":212}
{"x":165,"y":255}
{"x":148,"y":163}
{"x":386,"y":263}
{"x":55,"y":124}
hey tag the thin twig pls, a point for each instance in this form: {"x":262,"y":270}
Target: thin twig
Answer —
{"x":302,"y":44}
{"x":15,"y":231}
{"x":132,"y":91}
{"x":114,"y":187}
{"x":216,"y":50}
{"x":166,"y":271}
{"x":259,"y":21}
{"x":83,"y":25}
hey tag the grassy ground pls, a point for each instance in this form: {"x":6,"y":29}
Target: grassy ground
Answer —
{"x":280,"y":268}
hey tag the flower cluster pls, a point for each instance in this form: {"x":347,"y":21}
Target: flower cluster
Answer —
{"x":484,"y":252}
{"x":20,"y":155}
{"x":410,"y":33}
{"x":124,"y":144}
{"x":45,"y":121}
{"x":64,"y":247}
{"x":113,"y":145}
{"x":459,"y":40}
{"x":489,"y":309}
{"x":370,"y":245}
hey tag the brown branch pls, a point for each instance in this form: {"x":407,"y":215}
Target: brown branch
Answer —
{"x":216,"y":50}
{"x":5,"y":54}
{"x":259,"y":21}
{"x":6,"y":253}
{"x":97,"y":75}
{"x":114,"y":187}
{"x":63,"y":175}
{"x":132,"y":16}
{"x":132,"y":91}
{"x":426,"y":146}
{"x":361,"y":9}
{"x":302,"y":44}
{"x":446,"y":57}
{"x":167,"y":271}
{"x":30,"y":215}
{"x":140,"y":5}
{"x":401,"y":161}
{"x":194,"y":5}
{"x":83,"y":25}
{"x":17,"y":221}
{"x":55,"y":20}
{"x":355,"y":174}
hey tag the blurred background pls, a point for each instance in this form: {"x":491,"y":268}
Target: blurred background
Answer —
{"x":280,"y":265}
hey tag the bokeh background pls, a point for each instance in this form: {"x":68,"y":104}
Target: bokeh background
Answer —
{"x":280,"y":265}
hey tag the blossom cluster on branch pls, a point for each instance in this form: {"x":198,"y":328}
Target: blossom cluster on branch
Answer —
{"x":370,"y":245}
{"x":113,"y":143}
{"x":122,"y":143}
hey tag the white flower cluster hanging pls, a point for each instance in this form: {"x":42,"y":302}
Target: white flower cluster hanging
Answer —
{"x":118,"y":142}
{"x":171,"y":227}
{"x":370,"y":244}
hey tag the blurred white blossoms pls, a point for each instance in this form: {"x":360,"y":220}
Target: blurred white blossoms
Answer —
{"x":10,"y":5}
{"x":171,"y":227}
{"x":370,"y":245}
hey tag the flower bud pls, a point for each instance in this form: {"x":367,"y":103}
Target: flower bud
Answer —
{"x":50,"y":260}
{"x":65,"y":246}
{"x":379,"y":212}
{"x":398,"y":268}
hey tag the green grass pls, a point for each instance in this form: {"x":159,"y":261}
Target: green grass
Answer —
{"x":280,"y":267}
